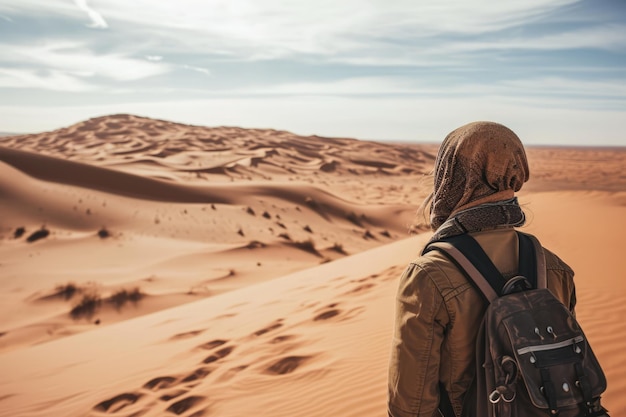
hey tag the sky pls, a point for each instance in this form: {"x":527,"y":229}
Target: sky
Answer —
{"x":554,"y":71}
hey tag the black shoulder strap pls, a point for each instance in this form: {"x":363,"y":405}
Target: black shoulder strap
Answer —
{"x":470,"y":257}
{"x":533,"y":264}
{"x":527,"y":259}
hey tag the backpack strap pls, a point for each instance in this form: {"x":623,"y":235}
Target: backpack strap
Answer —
{"x":532,"y":267}
{"x":470,"y":257}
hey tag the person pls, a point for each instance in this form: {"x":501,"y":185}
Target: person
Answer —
{"x":478,"y":170}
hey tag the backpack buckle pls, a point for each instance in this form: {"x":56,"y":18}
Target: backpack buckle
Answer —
{"x":498,"y":394}
{"x":516,"y":284}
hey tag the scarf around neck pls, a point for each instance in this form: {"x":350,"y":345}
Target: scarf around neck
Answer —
{"x":488,"y":216}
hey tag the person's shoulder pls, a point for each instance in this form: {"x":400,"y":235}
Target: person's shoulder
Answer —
{"x":430,"y":261}
{"x":438,"y":268}
{"x":553,"y":262}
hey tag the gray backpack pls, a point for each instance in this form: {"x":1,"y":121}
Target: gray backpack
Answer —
{"x":532,"y":357}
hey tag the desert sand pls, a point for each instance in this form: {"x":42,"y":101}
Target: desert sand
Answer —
{"x":149,"y":268}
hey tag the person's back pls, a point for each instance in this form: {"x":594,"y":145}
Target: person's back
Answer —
{"x":438,"y":311}
{"x":456,"y":310}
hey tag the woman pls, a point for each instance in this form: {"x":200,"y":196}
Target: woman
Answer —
{"x":478,"y":169}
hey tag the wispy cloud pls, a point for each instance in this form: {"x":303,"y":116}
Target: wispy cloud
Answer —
{"x":608,"y":37}
{"x":354,"y":86}
{"x":47,"y":80}
{"x":97,"y":21}
{"x":404,"y":32}
{"x":73,"y":57}
{"x":280,"y":28}
{"x":272,"y":29}
{"x":560,"y":89}
{"x":197,"y":69}
{"x":563,"y":87}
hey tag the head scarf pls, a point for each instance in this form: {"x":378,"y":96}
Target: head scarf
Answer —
{"x":481,"y":162}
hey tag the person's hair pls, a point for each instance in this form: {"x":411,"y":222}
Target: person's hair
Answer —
{"x":422,"y":214}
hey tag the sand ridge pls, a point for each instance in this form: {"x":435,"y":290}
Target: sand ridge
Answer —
{"x":189,"y":153}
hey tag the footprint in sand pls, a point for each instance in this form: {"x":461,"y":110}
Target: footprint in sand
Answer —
{"x":186,"y":335}
{"x":360,"y":288}
{"x":225,"y":316}
{"x":199,"y":373}
{"x":212,"y":344}
{"x":331,"y":312}
{"x":280,"y":339}
{"x":231,"y":373}
{"x":121,"y":401}
{"x":328,"y":314}
{"x":222,"y":353}
{"x":179,"y":407}
{"x":173,"y":394}
{"x":286,"y":365}
{"x":365,"y":284}
{"x":159,"y":383}
{"x":269,"y":328}
{"x":117,"y":403}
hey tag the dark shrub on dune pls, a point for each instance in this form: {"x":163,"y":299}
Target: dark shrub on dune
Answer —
{"x":368,"y":235}
{"x":91,"y":302}
{"x":306,"y":245}
{"x":39,"y":234}
{"x":66,"y":291}
{"x":123,"y":296}
{"x":86,"y":307}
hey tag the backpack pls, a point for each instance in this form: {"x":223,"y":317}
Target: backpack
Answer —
{"x":532,"y":357}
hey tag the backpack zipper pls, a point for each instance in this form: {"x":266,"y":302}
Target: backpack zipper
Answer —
{"x":539,"y":348}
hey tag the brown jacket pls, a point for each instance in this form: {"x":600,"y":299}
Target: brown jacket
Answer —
{"x":438,"y":313}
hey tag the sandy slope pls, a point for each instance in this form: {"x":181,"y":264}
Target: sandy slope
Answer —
{"x":265,"y":263}
{"x":114,"y":229}
{"x":280,"y":342}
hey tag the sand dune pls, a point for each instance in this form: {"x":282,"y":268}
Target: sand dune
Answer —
{"x":175,"y":239}
{"x":192,"y":152}
{"x":149,"y":268}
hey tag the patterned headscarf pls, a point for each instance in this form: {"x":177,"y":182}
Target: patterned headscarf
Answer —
{"x":481,"y":162}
